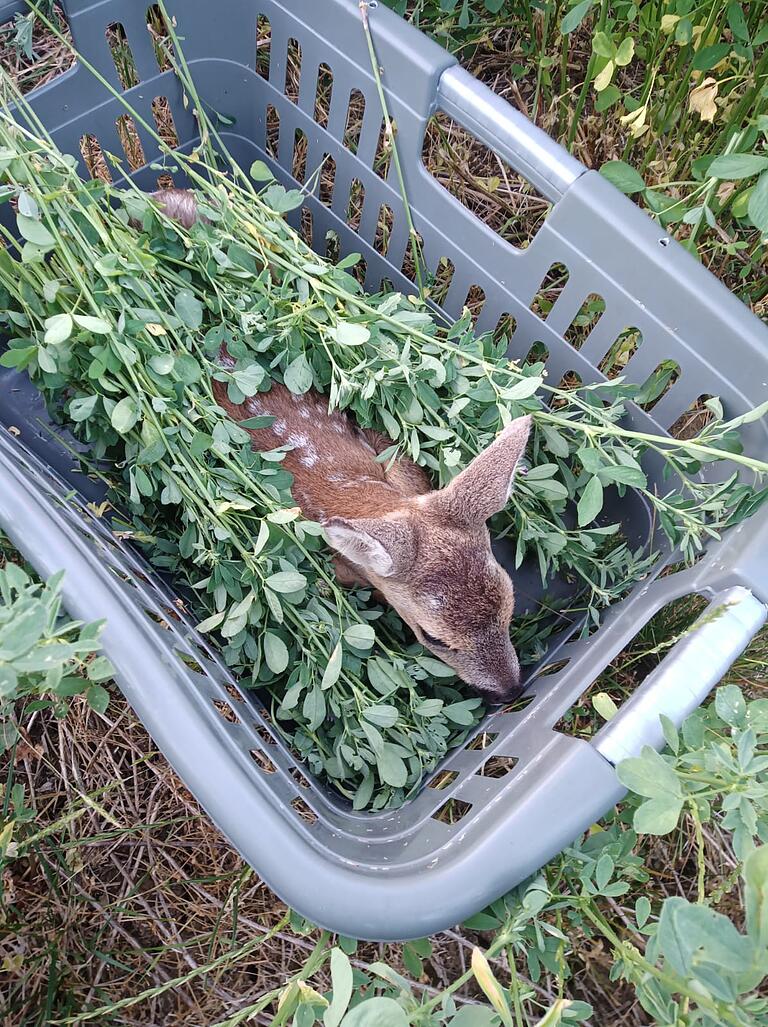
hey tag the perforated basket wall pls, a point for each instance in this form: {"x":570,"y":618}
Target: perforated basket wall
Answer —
{"x":519,"y":790}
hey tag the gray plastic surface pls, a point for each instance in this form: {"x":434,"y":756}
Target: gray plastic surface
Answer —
{"x":402,"y":873}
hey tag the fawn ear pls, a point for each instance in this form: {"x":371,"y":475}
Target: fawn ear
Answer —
{"x":484,"y":487}
{"x":380,"y":546}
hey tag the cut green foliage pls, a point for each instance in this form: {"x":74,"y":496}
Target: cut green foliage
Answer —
{"x":348,"y":685}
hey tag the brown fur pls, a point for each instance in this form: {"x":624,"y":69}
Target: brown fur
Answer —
{"x":426,"y":552}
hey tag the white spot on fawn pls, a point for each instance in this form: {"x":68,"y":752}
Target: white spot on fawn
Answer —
{"x":278,"y":427}
{"x":310,"y":456}
{"x":335,"y":477}
{"x":304,"y":413}
{"x":297,"y":441}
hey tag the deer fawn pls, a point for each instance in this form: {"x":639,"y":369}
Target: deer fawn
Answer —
{"x":427,"y":552}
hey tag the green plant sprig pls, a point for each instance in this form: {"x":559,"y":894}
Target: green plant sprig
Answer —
{"x":124,"y":345}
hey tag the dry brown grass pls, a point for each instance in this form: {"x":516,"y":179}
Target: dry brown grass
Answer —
{"x":50,"y":57}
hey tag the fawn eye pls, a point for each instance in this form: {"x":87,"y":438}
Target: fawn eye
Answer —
{"x":431,"y":640}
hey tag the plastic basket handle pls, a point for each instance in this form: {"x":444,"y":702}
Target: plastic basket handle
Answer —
{"x":528,"y":150}
{"x":685,"y":676}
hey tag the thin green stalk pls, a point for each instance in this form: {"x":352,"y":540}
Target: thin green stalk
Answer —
{"x":391,"y":136}
{"x":582,"y":99}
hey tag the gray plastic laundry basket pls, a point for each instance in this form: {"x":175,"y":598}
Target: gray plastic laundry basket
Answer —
{"x":400,"y":874}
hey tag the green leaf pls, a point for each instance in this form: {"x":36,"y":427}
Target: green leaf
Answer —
{"x":690,"y":935}
{"x":756,"y":895}
{"x":642,"y":910}
{"x":392,"y":768}
{"x":333,"y":668}
{"x":211,"y":622}
{"x":436,"y":668}
{"x":57,"y":329}
{"x":96,"y":325}
{"x":347,"y":333}
{"x":364,"y":791}
{"x":275,"y":652}
{"x":283,"y":200}
{"x":298,"y":376}
{"x":81,"y":409}
{"x":734,"y":166}
{"x":360,"y":636}
{"x":623,"y":176}
{"x":34,"y":231}
{"x":709,"y":56}
{"x":45,"y":360}
{"x":314,"y":708}
{"x":97,"y":698}
{"x":428,"y":707}
{"x":463,"y":713}
{"x":100,"y":669}
{"x":591,"y":502}
{"x":730,"y":705}
{"x":248,"y":379}
{"x":26,"y":628}
{"x":757,"y":207}
{"x":737,"y":22}
{"x":671,"y":736}
{"x":162,"y":363}
{"x":286,"y":581}
{"x":625,"y":52}
{"x":260,"y":172}
{"x":125,"y":415}
{"x":8,"y":684}
{"x":649,"y":775}
{"x":376,"y":1012}
{"x":28,"y":205}
{"x":523,"y":389}
{"x":607,"y":98}
{"x":575,"y":16}
{"x":603,"y":45}
{"x":341,"y":988}
{"x":189,"y":309}
{"x":382,"y":715}
{"x":657,"y":816}
{"x":474,"y":1016}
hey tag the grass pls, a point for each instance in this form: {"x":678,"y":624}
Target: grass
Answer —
{"x":128,"y":887}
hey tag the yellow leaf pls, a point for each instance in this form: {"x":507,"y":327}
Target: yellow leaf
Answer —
{"x":635,"y":121}
{"x":289,"y":994}
{"x":701,"y":100}
{"x":155,"y":329}
{"x":668,"y":22}
{"x":491,"y":987}
{"x":554,"y":1015}
{"x":605,"y":76}
{"x":5,"y":836}
{"x":314,"y":998}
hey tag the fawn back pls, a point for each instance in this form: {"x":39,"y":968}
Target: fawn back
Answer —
{"x":426,"y":551}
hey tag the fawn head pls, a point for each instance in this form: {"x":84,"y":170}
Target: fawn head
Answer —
{"x":431,"y":559}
